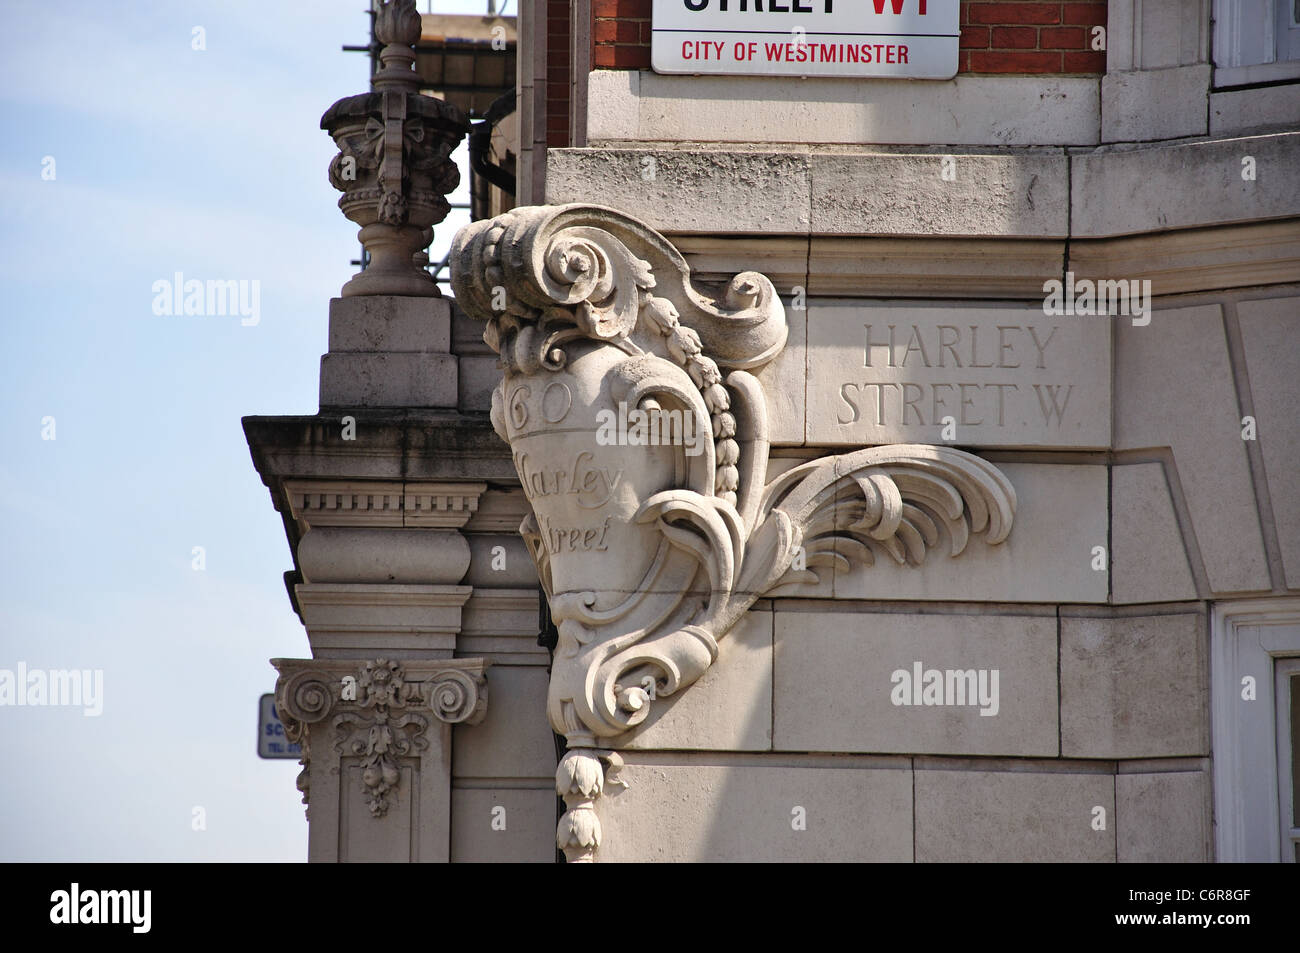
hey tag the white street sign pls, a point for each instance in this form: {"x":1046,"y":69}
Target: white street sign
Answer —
{"x":912,"y":39}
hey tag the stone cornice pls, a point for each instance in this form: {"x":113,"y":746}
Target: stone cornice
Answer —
{"x":388,"y":445}
{"x":1176,"y":262}
{"x":369,"y":503}
{"x":1039,"y":193}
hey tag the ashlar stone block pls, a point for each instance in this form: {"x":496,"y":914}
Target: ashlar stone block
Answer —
{"x":968,"y":816}
{"x":1148,"y":557}
{"x":1163,"y":818}
{"x":1134,"y":686}
{"x":693,"y":812}
{"x":984,"y":377}
{"x":1270,"y":332}
{"x":861,"y":681}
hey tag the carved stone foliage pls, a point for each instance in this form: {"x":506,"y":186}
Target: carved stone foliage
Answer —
{"x":641,"y":440}
{"x":379,"y":712}
{"x":393,"y":165}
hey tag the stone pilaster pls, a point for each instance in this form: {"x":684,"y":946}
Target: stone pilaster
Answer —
{"x":376,"y":741}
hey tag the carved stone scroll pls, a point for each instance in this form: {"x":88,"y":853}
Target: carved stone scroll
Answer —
{"x":641,"y":441}
{"x":378,"y":712}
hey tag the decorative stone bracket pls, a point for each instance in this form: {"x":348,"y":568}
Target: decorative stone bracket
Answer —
{"x":372,"y":719}
{"x":641,"y":441}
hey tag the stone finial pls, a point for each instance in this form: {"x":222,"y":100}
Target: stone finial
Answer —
{"x":397,"y":26}
{"x":394,"y":163}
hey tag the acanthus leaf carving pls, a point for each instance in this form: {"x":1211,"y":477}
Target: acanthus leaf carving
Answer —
{"x":650,"y":551}
{"x":387,"y":721}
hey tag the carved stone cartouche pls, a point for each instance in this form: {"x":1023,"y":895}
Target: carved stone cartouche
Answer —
{"x":651,"y":542}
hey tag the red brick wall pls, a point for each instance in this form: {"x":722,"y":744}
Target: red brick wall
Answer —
{"x":1028,"y":36}
{"x":557,"y":73}
{"x":620,"y":34}
{"x":997,"y":36}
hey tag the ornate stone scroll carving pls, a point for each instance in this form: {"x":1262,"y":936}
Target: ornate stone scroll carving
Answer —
{"x":378,"y":712}
{"x":641,"y":440}
{"x":393,"y":166}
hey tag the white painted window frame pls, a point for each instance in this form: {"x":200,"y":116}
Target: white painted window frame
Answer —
{"x":1239,"y":33}
{"x":1284,"y":671}
{"x":1246,"y":637}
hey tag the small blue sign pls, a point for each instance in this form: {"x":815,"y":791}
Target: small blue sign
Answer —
{"x":271,"y":742}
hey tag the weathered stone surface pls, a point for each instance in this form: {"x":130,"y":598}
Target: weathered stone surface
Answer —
{"x":476,"y":377}
{"x":1008,"y":377}
{"x":784,"y":382}
{"x":390,"y":323}
{"x":513,"y":739}
{"x":502,"y":624}
{"x":773,"y":193}
{"x":680,"y":191}
{"x":729,"y":708}
{"x":1061,"y":515}
{"x":1154,"y":103}
{"x":499,"y":561}
{"x":1134,"y":686}
{"x":528,"y":816}
{"x":390,"y":445}
{"x":782,"y":258}
{"x":858,"y":810}
{"x":1183,"y":185}
{"x":364,"y":554}
{"x":347,"y":619}
{"x":932,"y":267}
{"x":976,"y":110}
{"x":933,"y":194}
{"x":401,"y":379}
{"x":1163,"y":818}
{"x":1148,"y":558}
{"x":613,"y":104}
{"x":1023,"y":816}
{"x":1197,"y":259}
{"x":1270,"y":333}
{"x":1239,"y":110}
{"x":1156,"y":34}
{"x":835,"y":684}
{"x":1158,"y":403}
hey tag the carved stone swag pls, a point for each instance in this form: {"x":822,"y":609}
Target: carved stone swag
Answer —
{"x":650,"y":554}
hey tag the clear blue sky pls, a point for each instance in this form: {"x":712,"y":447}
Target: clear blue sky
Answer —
{"x":166,"y":159}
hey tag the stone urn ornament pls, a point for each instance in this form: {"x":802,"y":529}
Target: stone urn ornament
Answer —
{"x":394,"y":163}
{"x":640,"y":437}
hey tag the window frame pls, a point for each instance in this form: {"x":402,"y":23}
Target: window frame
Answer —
{"x":1227,"y":16}
{"x":1245,"y":639}
{"x":1285,"y":670}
